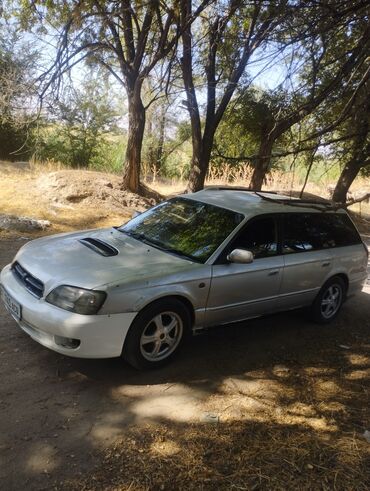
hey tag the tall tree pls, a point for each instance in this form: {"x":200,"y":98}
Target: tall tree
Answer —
{"x":355,"y":150}
{"x":228,"y":35}
{"x":127,"y":37}
{"x":335,"y":43}
{"x":17,"y":67}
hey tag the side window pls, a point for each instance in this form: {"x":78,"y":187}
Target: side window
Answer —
{"x":298,"y":235}
{"x":341,"y":229}
{"x":309,"y":232}
{"x":259,"y":237}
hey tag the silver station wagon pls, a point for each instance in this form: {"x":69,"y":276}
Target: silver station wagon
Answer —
{"x":214,"y":257}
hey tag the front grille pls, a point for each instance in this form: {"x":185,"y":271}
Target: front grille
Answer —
{"x":32,"y":284}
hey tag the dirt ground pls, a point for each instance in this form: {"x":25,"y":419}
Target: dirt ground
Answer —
{"x":274,"y":403}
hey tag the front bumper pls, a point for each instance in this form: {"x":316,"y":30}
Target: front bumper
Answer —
{"x":99,"y":336}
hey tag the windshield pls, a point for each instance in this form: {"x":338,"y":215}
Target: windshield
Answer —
{"x":184,"y":227}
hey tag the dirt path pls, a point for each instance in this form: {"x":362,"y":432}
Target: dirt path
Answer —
{"x":295,"y":394}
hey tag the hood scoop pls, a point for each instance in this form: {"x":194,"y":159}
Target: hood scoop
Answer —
{"x":99,"y":246}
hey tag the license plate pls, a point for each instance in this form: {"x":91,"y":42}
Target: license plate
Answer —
{"x":12,"y":305}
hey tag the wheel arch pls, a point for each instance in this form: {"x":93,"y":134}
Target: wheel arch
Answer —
{"x":342,"y":276}
{"x":181,"y":298}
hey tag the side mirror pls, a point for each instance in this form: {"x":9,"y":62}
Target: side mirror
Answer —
{"x":240,"y":256}
{"x":135,"y":214}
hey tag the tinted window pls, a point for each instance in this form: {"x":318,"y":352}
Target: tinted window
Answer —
{"x":259,"y":236}
{"x":307,"y":232}
{"x":342,"y":229}
{"x":185,"y":227}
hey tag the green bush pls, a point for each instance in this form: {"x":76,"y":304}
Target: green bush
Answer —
{"x":77,"y":150}
{"x":109,"y":156}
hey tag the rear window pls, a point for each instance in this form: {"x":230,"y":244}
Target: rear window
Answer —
{"x":308,"y":232}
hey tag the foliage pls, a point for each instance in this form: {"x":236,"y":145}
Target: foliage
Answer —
{"x":201,"y":53}
{"x":17,"y":63}
{"x":216,"y":56}
{"x":128,"y":39}
{"x":84,"y":117}
{"x":244,"y":125}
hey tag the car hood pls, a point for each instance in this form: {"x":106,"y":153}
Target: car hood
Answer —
{"x":65,"y":260}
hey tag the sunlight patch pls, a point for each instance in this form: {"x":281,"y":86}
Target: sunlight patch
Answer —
{"x":326,"y":388}
{"x":42,"y":458}
{"x":172,"y":407}
{"x":165,"y":448}
{"x":356,"y":359}
{"x":358,"y":375}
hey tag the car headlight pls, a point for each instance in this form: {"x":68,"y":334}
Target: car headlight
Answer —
{"x":77,"y":300}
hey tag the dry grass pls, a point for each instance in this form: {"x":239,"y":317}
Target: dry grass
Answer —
{"x":23,"y":193}
{"x":69,"y":199}
{"x":29,"y":203}
{"x":287,"y":182}
{"x":295,"y":425}
{"x":235,"y":456}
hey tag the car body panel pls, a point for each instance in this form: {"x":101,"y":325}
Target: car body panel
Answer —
{"x":304,"y":274}
{"x":65,"y":260}
{"x":351,"y":262}
{"x":101,"y":336}
{"x":251,"y":204}
{"x":192,"y":284}
{"x":240,"y":291}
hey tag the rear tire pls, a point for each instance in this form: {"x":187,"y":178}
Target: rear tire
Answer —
{"x":329,"y":301}
{"x":156,"y":334}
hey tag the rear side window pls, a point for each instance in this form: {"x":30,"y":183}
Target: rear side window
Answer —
{"x":309,"y":232}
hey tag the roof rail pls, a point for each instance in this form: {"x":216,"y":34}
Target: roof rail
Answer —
{"x":316,"y":204}
{"x":322,"y":206}
{"x":236,"y":188}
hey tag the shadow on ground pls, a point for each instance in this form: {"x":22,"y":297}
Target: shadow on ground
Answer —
{"x":291,"y":399}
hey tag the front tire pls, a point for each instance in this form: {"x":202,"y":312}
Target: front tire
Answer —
{"x":156,"y":334}
{"x":329,"y":301}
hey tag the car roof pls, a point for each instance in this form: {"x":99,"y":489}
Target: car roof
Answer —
{"x":252,"y":203}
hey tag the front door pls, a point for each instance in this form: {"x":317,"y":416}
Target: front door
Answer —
{"x":240,"y":291}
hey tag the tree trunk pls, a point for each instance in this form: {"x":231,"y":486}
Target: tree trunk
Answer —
{"x":262,"y":163}
{"x":160,"y":144}
{"x":136,"y":125}
{"x":359,"y":152}
{"x":200,"y":162}
{"x":346,"y":178}
{"x":310,"y":165}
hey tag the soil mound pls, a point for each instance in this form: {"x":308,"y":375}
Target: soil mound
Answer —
{"x":66,"y":188}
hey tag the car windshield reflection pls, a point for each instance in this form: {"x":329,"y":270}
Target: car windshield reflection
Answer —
{"x":187,"y":228}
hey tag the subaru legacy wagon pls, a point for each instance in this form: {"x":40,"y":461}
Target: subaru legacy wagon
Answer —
{"x":213,"y":257}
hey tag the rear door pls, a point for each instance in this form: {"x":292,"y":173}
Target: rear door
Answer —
{"x":308,"y":258}
{"x":239,"y":291}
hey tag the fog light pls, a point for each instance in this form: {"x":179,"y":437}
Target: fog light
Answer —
{"x":69,"y":343}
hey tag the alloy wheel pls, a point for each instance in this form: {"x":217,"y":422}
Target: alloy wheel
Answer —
{"x":331,"y":301}
{"x":161,"y":336}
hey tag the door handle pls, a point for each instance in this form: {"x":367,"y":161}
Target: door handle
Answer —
{"x":327,"y":263}
{"x":273,"y":273}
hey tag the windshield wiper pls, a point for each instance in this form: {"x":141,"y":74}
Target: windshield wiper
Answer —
{"x":158,"y":245}
{"x":173,"y":250}
{"x":137,"y":236}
